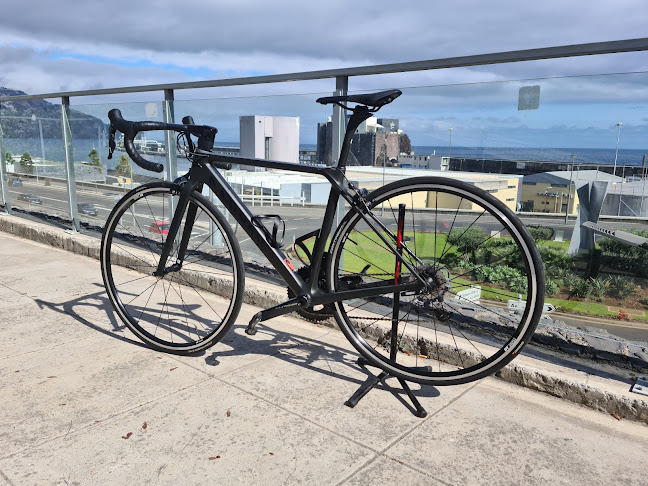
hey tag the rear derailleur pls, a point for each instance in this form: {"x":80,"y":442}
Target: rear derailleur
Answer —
{"x":431,"y":297}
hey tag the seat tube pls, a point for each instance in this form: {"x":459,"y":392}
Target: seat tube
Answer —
{"x":339,"y":131}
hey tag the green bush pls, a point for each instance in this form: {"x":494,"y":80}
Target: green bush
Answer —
{"x":554,"y":257}
{"x":518,"y":284}
{"x":501,"y":251}
{"x":628,"y":259}
{"x":467,"y":240}
{"x":496,"y":273}
{"x":507,"y":273}
{"x":560,"y":275}
{"x":571,"y":279}
{"x":578,"y":287}
{"x":451,"y":259}
{"x":598,"y":287}
{"x":551,"y":288}
{"x":540,"y":233}
{"x":621,"y":287}
{"x":481,"y":272}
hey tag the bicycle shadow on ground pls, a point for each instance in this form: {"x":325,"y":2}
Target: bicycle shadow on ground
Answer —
{"x":85,"y":307}
{"x":311,"y":354}
{"x":300,"y":351}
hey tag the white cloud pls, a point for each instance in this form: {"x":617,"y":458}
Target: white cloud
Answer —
{"x":50,"y":47}
{"x":46,"y":47}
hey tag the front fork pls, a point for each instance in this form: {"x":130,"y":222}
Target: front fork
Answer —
{"x":191,"y":209}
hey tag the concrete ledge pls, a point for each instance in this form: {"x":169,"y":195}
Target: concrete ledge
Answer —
{"x":599,"y":388}
{"x":598,"y":396}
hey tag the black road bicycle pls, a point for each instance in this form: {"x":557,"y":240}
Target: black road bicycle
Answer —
{"x":408,"y":274}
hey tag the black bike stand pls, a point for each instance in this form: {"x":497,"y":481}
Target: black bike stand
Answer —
{"x":373,"y":381}
{"x":393,"y":349}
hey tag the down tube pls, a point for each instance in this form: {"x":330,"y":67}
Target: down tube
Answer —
{"x":242,"y":214}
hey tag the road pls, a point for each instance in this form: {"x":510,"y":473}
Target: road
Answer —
{"x":298,"y":220}
{"x":631,"y":331}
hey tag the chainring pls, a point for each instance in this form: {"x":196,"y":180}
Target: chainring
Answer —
{"x":322,"y":312}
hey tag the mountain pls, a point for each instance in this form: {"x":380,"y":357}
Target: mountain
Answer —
{"x":19,"y":119}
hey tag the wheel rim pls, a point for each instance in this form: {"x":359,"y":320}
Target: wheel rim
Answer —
{"x":182,"y":310}
{"x":449,"y":229}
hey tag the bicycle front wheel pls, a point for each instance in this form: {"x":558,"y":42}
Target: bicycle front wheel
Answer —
{"x":193,"y":305}
{"x":473,"y":254}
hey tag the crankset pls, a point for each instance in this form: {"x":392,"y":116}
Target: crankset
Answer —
{"x":317,"y":313}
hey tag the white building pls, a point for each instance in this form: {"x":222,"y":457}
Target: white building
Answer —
{"x":296,"y":188}
{"x":431,"y":162}
{"x":270,"y":137}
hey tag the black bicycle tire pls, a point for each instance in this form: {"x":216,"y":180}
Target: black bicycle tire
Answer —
{"x":530,"y":317}
{"x":237,"y":265}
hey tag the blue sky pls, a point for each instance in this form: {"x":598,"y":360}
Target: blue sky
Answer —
{"x":43,"y":48}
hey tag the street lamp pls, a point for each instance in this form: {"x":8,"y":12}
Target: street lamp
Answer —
{"x":571,"y":177}
{"x":40,"y":130}
{"x":450,"y":144}
{"x":617,"y":146}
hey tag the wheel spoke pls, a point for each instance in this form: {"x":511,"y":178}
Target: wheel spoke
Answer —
{"x":453,"y":337}
{"x":172,"y":312}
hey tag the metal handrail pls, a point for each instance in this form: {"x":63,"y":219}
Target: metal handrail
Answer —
{"x":341,"y":76}
{"x":575,"y":50}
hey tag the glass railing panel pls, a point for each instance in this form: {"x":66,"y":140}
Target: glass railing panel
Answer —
{"x":35,"y":157}
{"x":100,"y":182}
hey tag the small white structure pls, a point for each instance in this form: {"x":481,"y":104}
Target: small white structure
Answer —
{"x":431,"y":162}
{"x":270,"y":137}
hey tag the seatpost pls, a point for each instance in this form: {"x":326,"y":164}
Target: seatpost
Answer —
{"x":360,"y":114}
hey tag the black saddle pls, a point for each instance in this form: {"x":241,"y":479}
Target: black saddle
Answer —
{"x":375,"y":100}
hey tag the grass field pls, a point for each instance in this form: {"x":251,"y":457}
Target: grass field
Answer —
{"x":366,"y":248}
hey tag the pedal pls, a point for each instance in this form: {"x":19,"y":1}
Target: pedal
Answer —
{"x":272,"y":237}
{"x":251,"y":328}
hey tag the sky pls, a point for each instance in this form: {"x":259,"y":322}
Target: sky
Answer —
{"x":48,"y":47}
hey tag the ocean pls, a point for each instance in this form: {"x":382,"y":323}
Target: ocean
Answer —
{"x":52,"y":149}
{"x":582,"y":155}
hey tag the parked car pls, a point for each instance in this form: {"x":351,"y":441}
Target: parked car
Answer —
{"x":87,"y":208}
{"x":16,"y":182}
{"x":30,"y":198}
{"x":160,"y":227}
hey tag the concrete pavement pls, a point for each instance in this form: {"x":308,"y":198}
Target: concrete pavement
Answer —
{"x":83,"y":402}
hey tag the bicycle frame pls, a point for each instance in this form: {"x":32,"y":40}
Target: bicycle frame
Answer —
{"x":203,"y":171}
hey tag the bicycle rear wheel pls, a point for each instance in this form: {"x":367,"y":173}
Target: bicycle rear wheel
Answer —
{"x":474,"y":254}
{"x":190,"y":308}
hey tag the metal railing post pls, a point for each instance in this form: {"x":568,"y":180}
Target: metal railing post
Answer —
{"x":69,"y":162}
{"x":168,"y":114}
{"x":4,"y":187}
{"x":171,"y":169}
{"x":339,"y":127}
